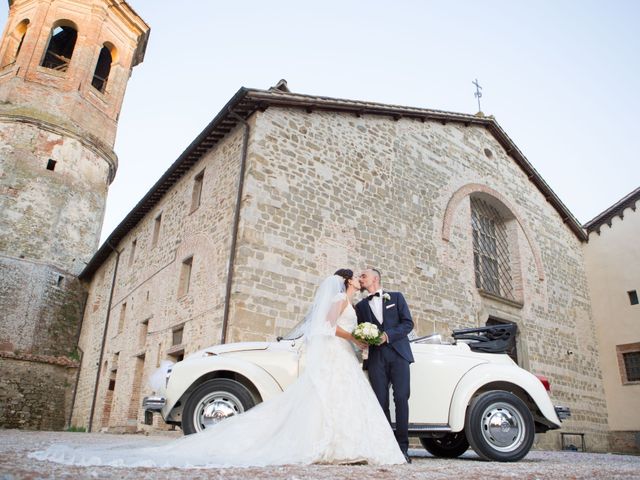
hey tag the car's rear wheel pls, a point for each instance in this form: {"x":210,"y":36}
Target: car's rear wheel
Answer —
{"x":212,"y":402}
{"x":499,"y":426}
{"x":452,"y":445}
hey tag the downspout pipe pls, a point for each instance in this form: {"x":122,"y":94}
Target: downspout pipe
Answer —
{"x":104,"y":337}
{"x":236,"y":224}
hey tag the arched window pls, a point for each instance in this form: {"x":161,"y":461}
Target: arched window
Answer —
{"x":22,"y":32}
{"x":60,"y":48}
{"x":14,"y":43}
{"x":103,"y":67}
{"x":511,"y":219}
{"x":491,"y":257}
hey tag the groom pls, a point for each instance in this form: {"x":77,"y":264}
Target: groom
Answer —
{"x":388,"y":363}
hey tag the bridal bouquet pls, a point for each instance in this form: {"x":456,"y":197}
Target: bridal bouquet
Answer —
{"x":368,"y":333}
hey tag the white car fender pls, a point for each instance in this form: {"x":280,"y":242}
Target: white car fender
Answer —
{"x":486,"y":373}
{"x":185,"y":373}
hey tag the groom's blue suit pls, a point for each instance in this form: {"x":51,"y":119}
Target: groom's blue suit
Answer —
{"x":388,"y":364}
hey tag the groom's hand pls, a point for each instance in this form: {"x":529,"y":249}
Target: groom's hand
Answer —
{"x":384,"y":338}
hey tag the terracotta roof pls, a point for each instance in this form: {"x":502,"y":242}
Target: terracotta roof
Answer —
{"x":247,"y":101}
{"x":617,"y":209}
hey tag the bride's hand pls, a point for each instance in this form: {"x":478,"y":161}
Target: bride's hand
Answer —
{"x":361,"y":345}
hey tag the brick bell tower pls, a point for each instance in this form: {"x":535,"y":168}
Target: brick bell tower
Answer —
{"x":64,"y":68}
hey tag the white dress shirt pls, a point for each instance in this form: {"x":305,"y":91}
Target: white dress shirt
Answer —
{"x":376,"y":306}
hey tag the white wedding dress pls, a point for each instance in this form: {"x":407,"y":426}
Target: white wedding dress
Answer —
{"x":329,"y":415}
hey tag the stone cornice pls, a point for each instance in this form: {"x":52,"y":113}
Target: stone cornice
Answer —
{"x":27,"y":357}
{"x":615,"y":210}
{"x":137,"y":24}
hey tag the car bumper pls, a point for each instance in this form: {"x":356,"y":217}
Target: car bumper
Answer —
{"x":152,"y":405}
{"x":562,"y":412}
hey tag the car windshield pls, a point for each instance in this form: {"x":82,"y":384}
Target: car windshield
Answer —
{"x":294,"y":333}
{"x":434,"y":338}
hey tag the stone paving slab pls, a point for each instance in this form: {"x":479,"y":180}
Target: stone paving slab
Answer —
{"x":15,"y":445}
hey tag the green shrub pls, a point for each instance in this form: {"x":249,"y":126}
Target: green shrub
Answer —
{"x":73,"y":428}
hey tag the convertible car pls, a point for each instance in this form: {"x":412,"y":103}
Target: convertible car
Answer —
{"x":467,"y":392}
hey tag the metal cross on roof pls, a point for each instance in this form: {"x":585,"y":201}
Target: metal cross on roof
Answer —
{"x":478,"y":93}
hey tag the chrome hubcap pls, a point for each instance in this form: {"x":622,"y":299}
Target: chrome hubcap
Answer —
{"x":503,"y":427}
{"x":216,"y":407}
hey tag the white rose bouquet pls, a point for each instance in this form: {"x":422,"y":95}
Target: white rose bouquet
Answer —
{"x":368,"y":333}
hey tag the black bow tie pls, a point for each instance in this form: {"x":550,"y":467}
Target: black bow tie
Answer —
{"x":377,"y":294}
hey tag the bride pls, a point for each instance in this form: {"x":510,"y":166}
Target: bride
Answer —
{"x":329,"y":415}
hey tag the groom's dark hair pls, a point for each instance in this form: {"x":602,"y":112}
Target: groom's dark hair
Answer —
{"x":377,"y":272}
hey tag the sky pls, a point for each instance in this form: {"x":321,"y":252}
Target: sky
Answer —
{"x":562,"y":78}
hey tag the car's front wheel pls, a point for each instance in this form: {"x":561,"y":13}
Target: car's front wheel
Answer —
{"x":214,"y":401}
{"x":452,"y":445}
{"x":499,"y":426}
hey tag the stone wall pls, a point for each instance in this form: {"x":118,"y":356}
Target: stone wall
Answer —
{"x":149,"y":312}
{"x":328,"y":190}
{"x":35,"y":391}
{"x":41,"y":308}
{"x":625,"y":442}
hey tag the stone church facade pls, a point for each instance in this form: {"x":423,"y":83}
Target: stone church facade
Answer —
{"x":281,"y":189}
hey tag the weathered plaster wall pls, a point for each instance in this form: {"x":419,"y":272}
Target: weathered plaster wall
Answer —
{"x":53,"y":216}
{"x":613,"y":260}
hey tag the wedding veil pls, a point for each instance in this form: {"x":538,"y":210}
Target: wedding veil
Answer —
{"x":323,"y":313}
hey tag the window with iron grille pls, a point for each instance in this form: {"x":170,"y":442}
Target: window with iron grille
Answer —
{"x":632,"y":366}
{"x":490,"y":250}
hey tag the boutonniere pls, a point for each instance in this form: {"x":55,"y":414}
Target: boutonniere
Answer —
{"x":386,"y":296}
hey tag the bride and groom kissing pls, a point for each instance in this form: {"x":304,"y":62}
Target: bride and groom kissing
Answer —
{"x":330,"y":415}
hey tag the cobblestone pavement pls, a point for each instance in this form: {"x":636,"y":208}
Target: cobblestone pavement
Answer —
{"x":15,"y":445}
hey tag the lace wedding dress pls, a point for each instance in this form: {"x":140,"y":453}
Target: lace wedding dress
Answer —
{"x":329,"y":415}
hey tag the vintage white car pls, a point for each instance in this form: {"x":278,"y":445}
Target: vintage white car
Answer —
{"x":465,"y":392}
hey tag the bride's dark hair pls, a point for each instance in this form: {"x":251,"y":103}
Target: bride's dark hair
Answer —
{"x":346,"y":274}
